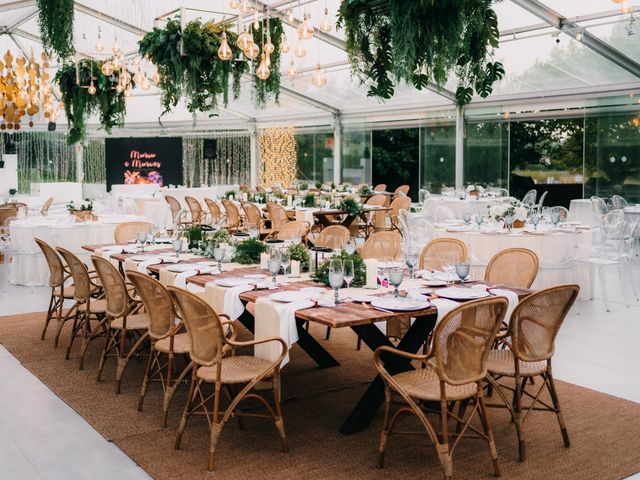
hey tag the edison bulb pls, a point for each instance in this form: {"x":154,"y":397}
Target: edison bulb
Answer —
{"x":125,"y":78}
{"x":145,"y":84}
{"x":290,"y":15}
{"x":245,"y":40}
{"x":245,"y":7}
{"x":99,"y":47}
{"x":127,"y":91}
{"x":305,"y":29}
{"x":252,"y":52}
{"x":235,"y":4}
{"x":156,"y":77}
{"x":138,"y":76}
{"x":224,"y":52}
{"x":318,"y":79}
{"x":115,"y":48}
{"x":263,"y":71}
{"x":107,"y":68}
{"x":116,"y":63}
{"x":326,"y":25}
{"x":92,"y":89}
{"x":284,"y":46}
{"x":299,"y":51}
{"x":268,"y":47}
{"x":292,"y":71}
{"x":135,"y":61}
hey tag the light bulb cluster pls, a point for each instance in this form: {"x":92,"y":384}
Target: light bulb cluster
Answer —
{"x":278,"y":155}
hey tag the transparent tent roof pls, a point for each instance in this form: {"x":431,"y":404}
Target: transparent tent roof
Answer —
{"x":598,"y":53}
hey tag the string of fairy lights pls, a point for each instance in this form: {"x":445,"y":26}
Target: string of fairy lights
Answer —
{"x":278,"y":155}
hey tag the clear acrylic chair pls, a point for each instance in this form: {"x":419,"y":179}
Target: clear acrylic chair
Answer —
{"x":530,"y":197}
{"x":619,"y":202}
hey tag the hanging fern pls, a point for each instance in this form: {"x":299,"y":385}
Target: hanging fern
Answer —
{"x":79,"y":105}
{"x":55,"y":19}
{"x":199,"y":75}
{"x":421,"y":42}
{"x":269,"y":88}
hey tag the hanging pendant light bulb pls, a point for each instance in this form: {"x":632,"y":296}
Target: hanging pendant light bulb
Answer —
{"x":156,"y":77}
{"x":99,"y":46}
{"x":268,"y":60}
{"x":252,"y":52}
{"x":138,"y":76}
{"x":292,"y":71}
{"x":284,"y":46}
{"x":245,"y":40}
{"x":299,"y":51}
{"x":135,"y":61}
{"x":119,"y":88}
{"x":145,"y":84}
{"x":305,"y":29}
{"x":256,"y":22}
{"x":116,"y":63}
{"x":245,"y":7}
{"x":263,"y":71}
{"x":325,"y":25}
{"x":290,"y":15}
{"x":235,"y":4}
{"x":127,"y":91}
{"x":125,"y":78}
{"x":115,"y":48}
{"x":224,"y":52}
{"x":318,"y":79}
{"x":268,"y":47}
{"x":107,"y":68}
{"x":92,"y":89}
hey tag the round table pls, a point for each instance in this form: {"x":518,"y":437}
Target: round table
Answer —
{"x":556,"y":251}
{"x":581,"y":210}
{"x":28,"y":266}
{"x":436,"y":207}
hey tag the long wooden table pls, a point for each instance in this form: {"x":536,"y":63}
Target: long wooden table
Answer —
{"x":359,"y":317}
{"x":325,"y":216}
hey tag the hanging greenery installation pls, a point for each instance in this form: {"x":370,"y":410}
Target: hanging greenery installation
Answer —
{"x":422,"y":42}
{"x":269,"y":88}
{"x":55,"y":20}
{"x":76,"y":82}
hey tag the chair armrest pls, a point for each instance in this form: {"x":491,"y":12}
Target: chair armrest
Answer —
{"x":399,"y":353}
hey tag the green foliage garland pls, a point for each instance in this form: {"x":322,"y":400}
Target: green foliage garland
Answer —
{"x":422,"y":42}
{"x":78,"y":104}
{"x":199,"y":75}
{"x":55,"y":20}
{"x":269,"y":88}
{"x":360,"y":273}
{"x":248,"y":252}
{"x":350,"y":206}
{"x":297,"y":251}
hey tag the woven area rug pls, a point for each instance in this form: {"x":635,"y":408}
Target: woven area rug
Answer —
{"x":604,"y":430}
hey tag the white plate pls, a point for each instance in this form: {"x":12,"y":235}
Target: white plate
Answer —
{"x":454,"y":293}
{"x":293,"y":296}
{"x":233,"y":282}
{"x":435,"y":283}
{"x":364,"y":298}
{"x":255,"y":276}
{"x":399,"y":304}
{"x":181,"y":267}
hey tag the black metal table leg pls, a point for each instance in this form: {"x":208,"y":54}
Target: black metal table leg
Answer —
{"x":372,"y":399}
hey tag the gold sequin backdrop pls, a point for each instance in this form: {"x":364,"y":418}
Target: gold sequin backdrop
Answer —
{"x":278,"y":156}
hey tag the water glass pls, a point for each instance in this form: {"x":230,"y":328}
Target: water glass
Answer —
{"x":479,"y":220}
{"x":274,"y":267}
{"x":508,"y":221}
{"x":218,"y":256}
{"x":466,"y":217}
{"x":462,"y":270}
{"x":336,"y":277}
{"x":396,"y":274}
{"x":411,"y":258}
{"x":349,"y":272}
{"x":142,"y":238}
{"x":176,"y":244}
{"x":555,"y":218}
{"x":285,"y":260}
{"x":350,"y":247}
{"x":535,"y":219}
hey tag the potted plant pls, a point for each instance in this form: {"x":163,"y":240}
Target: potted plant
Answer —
{"x":83,"y":212}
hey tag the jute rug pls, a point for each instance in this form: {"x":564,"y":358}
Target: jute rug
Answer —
{"x":604,"y":430}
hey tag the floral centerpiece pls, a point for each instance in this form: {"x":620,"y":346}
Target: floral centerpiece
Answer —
{"x":350,"y":205}
{"x":514,"y":213}
{"x":248,"y":251}
{"x":297,"y":251}
{"x":309,"y":200}
{"x":475,"y":190}
{"x":82,"y":212}
{"x":365,"y":190}
{"x":211,"y":241}
{"x":321,"y":275}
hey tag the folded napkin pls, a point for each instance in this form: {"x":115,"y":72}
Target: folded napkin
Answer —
{"x":275,"y":319}
{"x":108,"y":252}
{"x":181,"y":278}
{"x":501,"y":292}
{"x":142,"y":266}
{"x":465,"y":228}
{"x":232,"y":305}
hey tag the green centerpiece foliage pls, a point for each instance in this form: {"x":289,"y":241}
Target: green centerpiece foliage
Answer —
{"x":360,"y":274}
{"x":422,"y":43}
{"x":55,"y":21}
{"x":350,"y":206}
{"x":248,"y":251}
{"x":194,"y":234}
{"x":297,"y":251}
{"x":264,"y":90}
{"x":211,"y":241}
{"x":309,"y":200}
{"x":365,"y":190}
{"x":73,"y":80}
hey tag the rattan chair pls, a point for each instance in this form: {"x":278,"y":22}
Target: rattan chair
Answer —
{"x":45,"y":206}
{"x":237,"y":372}
{"x":434,"y":254}
{"x":530,"y":339}
{"x":335,"y":237}
{"x":293,"y":229}
{"x":215,"y":214}
{"x":401,"y":190}
{"x":254,"y":217}
{"x":7,"y":213}
{"x":381,"y":187}
{"x":453,"y":371}
{"x":123,"y":319}
{"x":278,"y":216}
{"x":128,"y":231}
{"x":398,"y":203}
{"x":232,"y":214}
{"x":513,"y":267}
{"x":167,"y":339}
{"x":374,"y":221}
{"x":383,"y":245}
{"x":58,"y":275}
{"x":177,"y":214}
{"x":89,"y":305}
{"x":197,"y":214}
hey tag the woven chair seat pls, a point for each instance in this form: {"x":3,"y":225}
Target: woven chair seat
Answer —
{"x":181,"y":344}
{"x":239,"y":369}
{"x":96,"y":306}
{"x":501,"y":362}
{"x":69,"y":291}
{"x":423,"y":383}
{"x":134,"y":322}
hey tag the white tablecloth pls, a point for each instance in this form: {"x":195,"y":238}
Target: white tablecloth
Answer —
{"x":632,"y":213}
{"x":458,"y":207}
{"x":28,"y":266}
{"x":62,"y":192}
{"x":581,"y":210}
{"x":135,"y":191}
{"x":555,"y":253}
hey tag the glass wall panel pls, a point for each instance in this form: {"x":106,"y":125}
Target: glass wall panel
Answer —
{"x":612,"y":156}
{"x":315,"y":157}
{"x":438,"y":157}
{"x":396,"y":159}
{"x":486,"y":154}
{"x":356,"y":156}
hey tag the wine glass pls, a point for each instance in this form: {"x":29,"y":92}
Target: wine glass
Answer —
{"x":153,"y":233}
{"x":462,"y":270}
{"x":274,"y":266}
{"x":479,"y":220}
{"x":555,"y":218}
{"x":142,"y":238}
{"x":176,"y":244}
{"x":411,"y":255}
{"x":218,"y":256}
{"x":508,"y":221}
{"x":336,"y":277}
{"x":396,"y":273}
{"x":350,"y":247}
{"x":466,"y":217}
{"x":535,"y":219}
{"x":449,"y":267}
{"x":285,"y":260}
{"x":349,"y":272}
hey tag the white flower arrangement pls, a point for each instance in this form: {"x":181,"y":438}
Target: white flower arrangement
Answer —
{"x":514,"y":209}
{"x":475,"y":188}
{"x":496,"y":211}
{"x":521,"y":213}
